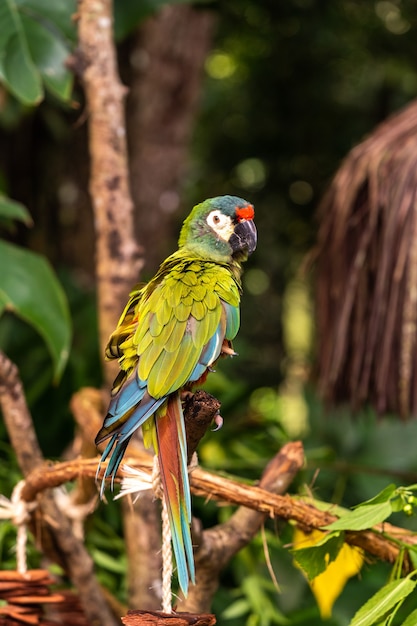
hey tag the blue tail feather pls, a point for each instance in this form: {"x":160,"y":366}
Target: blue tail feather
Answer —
{"x":117,"y":451}
{"x":127,"y":412}
{"x":130,"y":395}
{"x":139,"y":416}
{"x":188,"y":546}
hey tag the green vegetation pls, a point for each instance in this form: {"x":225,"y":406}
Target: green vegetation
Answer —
{"x":289,"y":88}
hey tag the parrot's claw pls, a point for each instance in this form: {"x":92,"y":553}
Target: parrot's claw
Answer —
{"x":218,"y":420}
{"x":228,"y":351}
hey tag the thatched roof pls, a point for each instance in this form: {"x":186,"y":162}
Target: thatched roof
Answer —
{"x":367,"y":273}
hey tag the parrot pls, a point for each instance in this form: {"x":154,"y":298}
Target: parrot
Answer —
{"x":170,"y":334}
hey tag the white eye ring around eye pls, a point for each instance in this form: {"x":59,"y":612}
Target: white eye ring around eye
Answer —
{"x":216,"y":219}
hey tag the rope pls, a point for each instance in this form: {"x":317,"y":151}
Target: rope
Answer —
{"x":77,"y":513}
{"x":166,"y":560}
{"x":134,"y":481}
{"x":18,"y":511}
{"x":166,"y":539}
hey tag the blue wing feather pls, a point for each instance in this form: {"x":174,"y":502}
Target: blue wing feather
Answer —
{"x":129,"y":396}
{"x":232,"y":320}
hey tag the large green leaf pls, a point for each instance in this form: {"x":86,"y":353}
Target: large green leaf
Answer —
{"x":383,"y":601}
{"x":383,"y":496}
{"x":12,"y":210}
{"x":363,"y":517}
{"x":36,"y":37}
{"x":56,"y":15}
{"x":17,"y":69}
{"x":49,"y":54}
{"x":315,"y":559}
{"x":29,"y":288}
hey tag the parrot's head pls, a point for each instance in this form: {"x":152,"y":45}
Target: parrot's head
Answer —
{"x":221,"y":229}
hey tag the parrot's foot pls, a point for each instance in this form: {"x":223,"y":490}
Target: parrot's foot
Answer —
{"x":218,"y":420}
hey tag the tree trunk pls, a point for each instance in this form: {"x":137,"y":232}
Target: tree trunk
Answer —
{"x":118,"y":259}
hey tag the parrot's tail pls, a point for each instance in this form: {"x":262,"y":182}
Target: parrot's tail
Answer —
{"x":172,"y":456}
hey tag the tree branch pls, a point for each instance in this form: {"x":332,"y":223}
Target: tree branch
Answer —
{"x":119,"y":259}
{"x":71,"y":551}
{"x":212,"y":486}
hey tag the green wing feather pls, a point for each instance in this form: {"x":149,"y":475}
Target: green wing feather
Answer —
{"x":180,"y":311}
{"x":167,"y":323}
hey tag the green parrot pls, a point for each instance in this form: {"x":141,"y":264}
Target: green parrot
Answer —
{"x":169,"y":336}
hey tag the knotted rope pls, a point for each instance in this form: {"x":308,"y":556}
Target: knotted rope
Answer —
{"x":18,"y":511}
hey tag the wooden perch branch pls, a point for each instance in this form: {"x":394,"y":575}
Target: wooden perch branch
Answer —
{"x":54,"y":524}
{"x":213,"y":486}
{"x":151,"y":618}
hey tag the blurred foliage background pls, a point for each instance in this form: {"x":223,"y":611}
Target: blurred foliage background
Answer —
{"x":288,"y":89}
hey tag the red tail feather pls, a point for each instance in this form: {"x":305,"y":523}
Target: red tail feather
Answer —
{"x":172,"y":455}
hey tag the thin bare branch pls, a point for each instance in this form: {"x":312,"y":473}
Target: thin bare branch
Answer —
{"x":119,"y":259}
{"x":56,"y":528}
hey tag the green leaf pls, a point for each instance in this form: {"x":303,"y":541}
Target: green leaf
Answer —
{"x":49,"y":54}
{"x":315,"y":559}
{"x":10,"y":209}
{"x":383,"y":496}
{"x":108,"y":562}
{"x":383,"y":601}
{"x":56,"y":15}
{"x":239,"y":608}
{"x":365,"y":516}
{"x":410,"y":620}
{"x":29,"y":288}
{"x":17,"y":69}
{"x":3,"y":303}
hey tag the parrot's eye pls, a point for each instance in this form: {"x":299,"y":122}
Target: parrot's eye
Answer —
{"x":217,"y":219}
{"x":221,"y":224}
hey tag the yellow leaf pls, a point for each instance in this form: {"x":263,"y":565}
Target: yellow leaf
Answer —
{"x":328,"y":585}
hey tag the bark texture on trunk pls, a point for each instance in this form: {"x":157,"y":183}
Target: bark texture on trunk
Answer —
{"x":118,"y":258}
